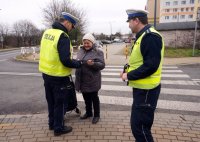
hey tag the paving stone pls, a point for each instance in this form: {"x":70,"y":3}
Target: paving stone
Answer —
{"x":113,"y":127}
{"x":30,"y":140}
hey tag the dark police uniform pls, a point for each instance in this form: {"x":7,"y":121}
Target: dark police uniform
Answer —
{"x":144,"y":76}
{"x":55,"y":64}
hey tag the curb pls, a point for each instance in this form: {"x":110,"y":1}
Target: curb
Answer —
{"x":28,"y":61}
{"x":4,"y":50}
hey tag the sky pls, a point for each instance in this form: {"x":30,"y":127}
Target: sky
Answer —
{"x":103,"y":16}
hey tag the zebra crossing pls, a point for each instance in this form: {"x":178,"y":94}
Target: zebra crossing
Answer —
{"x":179,"y":92}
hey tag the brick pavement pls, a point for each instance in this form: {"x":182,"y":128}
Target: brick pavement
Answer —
{"x":113,"y":127}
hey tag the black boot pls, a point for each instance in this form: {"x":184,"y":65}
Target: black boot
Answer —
{"x":64,"y":130}
{"x":95,"y":120}
{"x":51,"y":127}
{"x":85,"y":116}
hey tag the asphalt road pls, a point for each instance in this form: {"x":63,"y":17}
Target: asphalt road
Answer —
{"x":22,"y":91}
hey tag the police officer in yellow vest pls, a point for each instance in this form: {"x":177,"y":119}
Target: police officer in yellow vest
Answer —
{"x":56,"y":64}
{"x":144,"y":73}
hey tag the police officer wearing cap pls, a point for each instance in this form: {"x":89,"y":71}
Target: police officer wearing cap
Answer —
{"x":144,"y":73}
{"x":56,"y":64}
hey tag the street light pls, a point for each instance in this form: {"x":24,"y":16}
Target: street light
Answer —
{"x":155,"y":10}
{"x":195,"y":32}
{"x":1,"y":41}
{"x":110,"y":31}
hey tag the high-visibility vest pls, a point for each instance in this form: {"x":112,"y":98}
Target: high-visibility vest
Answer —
{"x":49,"y":62}
{"x":136,"y":60}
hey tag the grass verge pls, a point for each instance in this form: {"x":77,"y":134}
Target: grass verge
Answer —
{"x":176,"y":52}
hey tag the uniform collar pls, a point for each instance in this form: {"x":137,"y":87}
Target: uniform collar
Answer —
{"x":57,"y":25}
{"x":142,"y":31}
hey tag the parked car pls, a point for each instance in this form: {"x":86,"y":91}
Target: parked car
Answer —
{"x":99,"y":43}
{"x":106,"y":41}
{"x":116,"y":40}
{"x":127,"y":40}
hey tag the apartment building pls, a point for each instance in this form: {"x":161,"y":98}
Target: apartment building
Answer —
{"x":173,"y":10}
{"x":178,"y":10}
{"x":150,"y":7}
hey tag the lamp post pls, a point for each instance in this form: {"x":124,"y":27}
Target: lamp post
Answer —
{"x":110,"y":31}
{"x":2,"y":41}
{"x":195,"y":32}
{"x":155,"y":10}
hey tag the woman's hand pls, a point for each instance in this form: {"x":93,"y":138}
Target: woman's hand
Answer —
{"x":90,"y":62}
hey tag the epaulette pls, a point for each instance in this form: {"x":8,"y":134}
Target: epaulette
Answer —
{"x":148,"y":31}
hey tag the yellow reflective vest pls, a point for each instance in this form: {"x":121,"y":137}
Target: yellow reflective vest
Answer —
{"x":49,"y":62}
{"x":136,"y":60}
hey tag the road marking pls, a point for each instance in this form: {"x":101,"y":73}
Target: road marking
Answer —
{"x":179,"y":82}
{"x":103,"y":73}
{"x":165,"y":67}
{"x":184,"y":92}
{"x":119,"y":70}
{"x":196,"y":79}
{"x":163,"y":75}
{"x":3,"y":60}
{"x":162,"y":104}
{"x":9,"y":54}
{"x":175,"y":82}
{"x":22,"y":74}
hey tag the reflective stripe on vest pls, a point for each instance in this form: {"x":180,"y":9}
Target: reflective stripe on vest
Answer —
{"x":50,"y":63}
{"x":136,"y":60}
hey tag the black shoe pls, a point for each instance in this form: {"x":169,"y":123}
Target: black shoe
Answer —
{"x":85,"y":116}
{"x":95,"y":120}
{"x":51,"y":128}
{"x":65,"y":130}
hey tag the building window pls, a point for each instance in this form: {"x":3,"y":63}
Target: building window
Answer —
{"x":175,"y":9}
{"x":175,"y":3}
{"x":166,"y":10}
{"x":167,"y":3}
{"x":191,"y":1}
{"x":183,"y":2}
{"x":192,"y":8}
{"x":182,"y":9}
{"x":190,"y":16}
{"x":174,"y":17}
{"x":187,"y":9}
{"x":166,"y":17}
{"x":182,"y":16}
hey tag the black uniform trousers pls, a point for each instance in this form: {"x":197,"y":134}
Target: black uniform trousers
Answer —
{"x":56,"y":91}
{"x":142,"y":115}
{"x":90,"y":99}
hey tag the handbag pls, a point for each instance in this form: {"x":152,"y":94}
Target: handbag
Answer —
{"x":70,"y":102}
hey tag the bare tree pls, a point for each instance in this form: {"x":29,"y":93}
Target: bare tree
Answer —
{"x":4,"y":29}
{"x":54,"y":9}
{"x":17,"y":29}
{"x":25,"y":32}
{"x":118,"y":34}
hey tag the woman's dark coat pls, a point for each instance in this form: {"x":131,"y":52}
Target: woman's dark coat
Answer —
{"x":88,"y":78}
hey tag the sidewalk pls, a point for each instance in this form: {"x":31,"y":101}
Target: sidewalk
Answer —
{"x":113,"y":127}
{"x":114,"y":57}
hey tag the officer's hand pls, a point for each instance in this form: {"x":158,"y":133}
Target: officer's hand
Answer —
{"x":124,"y":76}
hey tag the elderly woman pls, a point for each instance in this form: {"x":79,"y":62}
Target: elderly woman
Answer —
{"x":88,"y":77}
